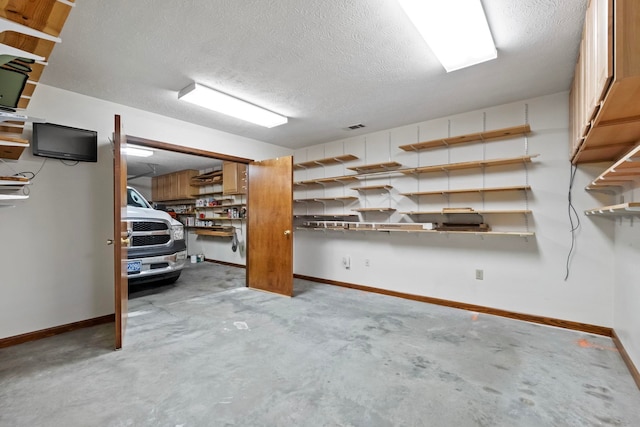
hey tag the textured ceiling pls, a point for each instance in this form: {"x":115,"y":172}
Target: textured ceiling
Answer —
{"x":324,"y":64}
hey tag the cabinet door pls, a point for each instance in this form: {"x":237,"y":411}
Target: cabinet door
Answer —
{"x":234,"y":178}
{"x":603,"y":47}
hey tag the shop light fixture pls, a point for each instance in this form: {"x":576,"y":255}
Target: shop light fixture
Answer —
{"x":456,"y":31}
{"x":220,"y":102}
{"x":133,"y":150}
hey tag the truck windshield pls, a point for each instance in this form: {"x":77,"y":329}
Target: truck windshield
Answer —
{"x":135,"y":199}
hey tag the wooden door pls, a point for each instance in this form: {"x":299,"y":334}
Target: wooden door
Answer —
{"x":121,"y":235}
{"x":269,"y":226}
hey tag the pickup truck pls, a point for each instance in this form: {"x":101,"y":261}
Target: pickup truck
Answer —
{"x":157,"y":250}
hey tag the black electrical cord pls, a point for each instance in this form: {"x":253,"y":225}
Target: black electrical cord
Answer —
{"x":573,"y":214}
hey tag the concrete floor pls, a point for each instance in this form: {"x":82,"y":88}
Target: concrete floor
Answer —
{"x":209,"y":352}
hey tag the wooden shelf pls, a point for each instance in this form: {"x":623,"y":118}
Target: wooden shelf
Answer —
{"x":6,"y":197}
{"x":14,"y":182}
{"x":374,"y":210}
{"x":335,"y":179}
{"x":624,"y":209}
{"x":12,"y":148}
{"x":209,"y":193}
{"x":209,"y":178}
{"x":373,"y":187}
{"x":325,"y":162}
{"x":328,"y":199}
{"x":31,"y":30}
{"x":469,"y":165}
{"x":468,"y":138}
{"x":376,"y":167}
{"x":468,"y":190}
{"x":624,"y":171}
{"x":221,"y":218}
{"x":480,"y":212}
{"x":476,"y":233}
{"x":213,"y":233}
{"x":326,"y":216}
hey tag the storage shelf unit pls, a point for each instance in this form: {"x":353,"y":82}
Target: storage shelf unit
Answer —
{"x":326,"y":161}
{"x":624,"y":171}
{"x":605,"y":114}
{"x":467,"y":190}
{"x":31,"y":29}
{"x":376,"y":167}
{"x":624,"y":209}
{"x":468,"y":138}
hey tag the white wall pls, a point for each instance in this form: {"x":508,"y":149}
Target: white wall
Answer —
{"x":521,"y":275}
{"x":627,"y":285}
{"x":56,"y":266}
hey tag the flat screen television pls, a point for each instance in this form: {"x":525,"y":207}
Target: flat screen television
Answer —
{"x":64,"y":142}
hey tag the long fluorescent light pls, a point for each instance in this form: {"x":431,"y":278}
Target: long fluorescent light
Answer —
{"x":456,"y":31}
{"x":132,"y":150}
{"x":205,"y":97}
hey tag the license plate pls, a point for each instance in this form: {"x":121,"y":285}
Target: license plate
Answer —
{"x":134,"y":266}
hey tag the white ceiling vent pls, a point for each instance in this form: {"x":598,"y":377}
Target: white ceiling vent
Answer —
{"x":354,"y":127}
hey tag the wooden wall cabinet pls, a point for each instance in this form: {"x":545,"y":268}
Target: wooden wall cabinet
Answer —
{"x":234,"y":178}
{"x":173,"y":186}
{"x":604,"y":111}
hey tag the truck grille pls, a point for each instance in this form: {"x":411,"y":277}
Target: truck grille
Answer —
{"x":149,"y":233}
{"x":151,"y":240}
{"x":149,"y":226}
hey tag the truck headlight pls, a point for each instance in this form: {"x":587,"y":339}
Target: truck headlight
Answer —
{"x":178,"y":232}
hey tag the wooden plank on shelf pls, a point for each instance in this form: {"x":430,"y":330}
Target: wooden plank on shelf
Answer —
{"x":214,"y":233}
{"x":330,"y":180}
{"x":373,"y":187}
{"x":469,"y":190}
{"x":626,"y":169}
{"x":326,"y":161}
{"x":327,"y":199}
{"x":12,"y":147}
{"x":481,"y":212}
{"x":524,"y":234}
{"x":376,"y":167}
{"x":374,"y":210}
{"x":470,"y":165}
{"x":468,"y":138}
{"x":623,"y":209}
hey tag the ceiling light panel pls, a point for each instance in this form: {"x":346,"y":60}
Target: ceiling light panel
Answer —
{"x":132,"y":150}
{"x":456,"y":31}
{"x":220,"y":102}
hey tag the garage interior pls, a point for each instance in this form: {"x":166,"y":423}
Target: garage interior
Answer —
{"x":468,"y":236}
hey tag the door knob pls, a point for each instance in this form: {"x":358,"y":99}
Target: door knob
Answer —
{"x":109,"y":241}
{"x":287,"y":232}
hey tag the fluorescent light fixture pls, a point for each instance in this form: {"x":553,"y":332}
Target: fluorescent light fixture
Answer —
{"x":133,"y":150}
{"x":220,"y":102}
{"x":456,"y":31}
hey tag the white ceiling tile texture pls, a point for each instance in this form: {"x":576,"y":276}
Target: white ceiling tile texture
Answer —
{"x":324,"y":64}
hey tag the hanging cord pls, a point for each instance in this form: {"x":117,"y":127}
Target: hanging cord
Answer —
{"x":573,"y":215}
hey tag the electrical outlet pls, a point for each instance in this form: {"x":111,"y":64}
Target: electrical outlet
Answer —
{"x":367,"y":263}
{"x":346,"y":262}
{"x":479,"y":274}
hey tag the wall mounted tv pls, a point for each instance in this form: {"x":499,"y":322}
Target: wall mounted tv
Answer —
{"x":64,"y":142}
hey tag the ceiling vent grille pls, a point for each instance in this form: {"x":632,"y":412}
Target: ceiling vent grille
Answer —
{"x":354,"y":127}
